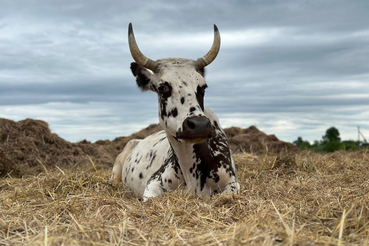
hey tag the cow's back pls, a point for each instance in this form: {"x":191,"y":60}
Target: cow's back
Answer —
{"x":145,"y":159}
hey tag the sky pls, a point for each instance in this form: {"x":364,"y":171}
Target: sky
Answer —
{"x":291,"y":68}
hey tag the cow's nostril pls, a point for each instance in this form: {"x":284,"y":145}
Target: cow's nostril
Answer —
{"x":190,"y":124}
{"x":208,"y":125}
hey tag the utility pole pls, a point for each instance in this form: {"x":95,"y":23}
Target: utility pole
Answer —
{"x":358,"y":134}
{"x":364,"y":143}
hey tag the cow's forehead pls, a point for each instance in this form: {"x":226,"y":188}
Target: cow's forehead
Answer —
{"x":175,"y":62}
{"x":179,"y":71}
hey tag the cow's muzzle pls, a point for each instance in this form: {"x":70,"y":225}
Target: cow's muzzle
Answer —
{"x":195,"y":129}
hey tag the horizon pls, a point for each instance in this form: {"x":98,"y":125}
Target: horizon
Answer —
{"x":311,"y":142}
{"x":292,"y":69}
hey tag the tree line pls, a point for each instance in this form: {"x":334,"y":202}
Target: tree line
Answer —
{"x":330,"y":142}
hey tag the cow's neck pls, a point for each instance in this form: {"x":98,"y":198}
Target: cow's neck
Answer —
{"x":188,"y":161}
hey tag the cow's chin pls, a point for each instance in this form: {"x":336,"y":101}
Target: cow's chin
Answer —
{"x":193,"y":140}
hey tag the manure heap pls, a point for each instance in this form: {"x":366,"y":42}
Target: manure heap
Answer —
{"x":28,"y":147}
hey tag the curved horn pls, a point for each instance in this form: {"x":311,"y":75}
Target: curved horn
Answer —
{"x":213,"y":52}
{"x":140,"y":58}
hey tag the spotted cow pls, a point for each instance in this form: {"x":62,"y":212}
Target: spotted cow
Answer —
{"x":192,"y":152}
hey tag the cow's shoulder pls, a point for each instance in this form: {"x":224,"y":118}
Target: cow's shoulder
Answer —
{"x":144,"y":160}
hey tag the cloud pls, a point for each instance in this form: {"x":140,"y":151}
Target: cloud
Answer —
{"x":293,"y":68}
{"x":91,"y":121}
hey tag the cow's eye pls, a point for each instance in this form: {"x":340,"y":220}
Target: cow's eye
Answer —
{"x":165,"y":90}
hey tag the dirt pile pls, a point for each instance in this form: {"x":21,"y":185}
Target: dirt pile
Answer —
{"x":251,"y":140}
{"x":29,"y":147}
{"x":31,"y":144}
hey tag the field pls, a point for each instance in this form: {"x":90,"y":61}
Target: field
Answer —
{"x":297,"y":199}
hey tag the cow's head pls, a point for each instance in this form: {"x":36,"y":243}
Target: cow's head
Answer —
{"x":180,"y":86}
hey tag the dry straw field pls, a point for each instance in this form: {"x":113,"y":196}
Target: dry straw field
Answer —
{"x":289,"y":198}
{"x":299,"y":199}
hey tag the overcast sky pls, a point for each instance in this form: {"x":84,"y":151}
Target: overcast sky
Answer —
{"x":291,"y":68}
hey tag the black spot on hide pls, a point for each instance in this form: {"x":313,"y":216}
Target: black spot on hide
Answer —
{"x":209,"y":163}
{"x":171,"y":161}
{"x":200,"y":93}
{"x":158,"y":142}
{"x":164,"y":95}
{"x":141,"y":176}
{"x":152,"y":160}
{"x":182,"y":100}
{"x":174,"y":112}
{"x":192,"y":168}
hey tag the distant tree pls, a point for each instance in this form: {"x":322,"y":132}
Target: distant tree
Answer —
{"x":298,"y":142}
{"x":331,"y":135}
{"x":332,"y":146}
{"x":330,"y":142}
{"x":350,"y":145}
{"x":301,"y":144}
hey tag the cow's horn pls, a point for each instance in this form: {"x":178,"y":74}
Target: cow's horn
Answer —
{"x":213,"y":52}
{"x":140,"y":58}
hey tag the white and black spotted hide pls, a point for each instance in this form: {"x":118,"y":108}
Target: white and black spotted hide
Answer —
{"x":160,"y":162}
{"x":192,"y":153}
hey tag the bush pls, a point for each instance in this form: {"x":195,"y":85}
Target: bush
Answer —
{"x":332,"y":146}
{"x":350,"y":145}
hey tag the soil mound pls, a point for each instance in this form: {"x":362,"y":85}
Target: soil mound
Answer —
{"x":251,"y":140}
{"x":29,"y":147}
{"x":28,"y":144}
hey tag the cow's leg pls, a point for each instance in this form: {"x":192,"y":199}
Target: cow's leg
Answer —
{"x":153,"y":189}
{"x":169,"y":179}
{"x":119,"y":162}
{"x":232,"y":187}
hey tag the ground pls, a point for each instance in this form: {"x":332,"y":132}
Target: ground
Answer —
{"x":288,"y":199}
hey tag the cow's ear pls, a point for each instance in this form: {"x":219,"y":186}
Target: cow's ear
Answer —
{"x":143,"y":76}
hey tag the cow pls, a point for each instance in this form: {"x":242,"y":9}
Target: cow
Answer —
{"x":192,"y":152}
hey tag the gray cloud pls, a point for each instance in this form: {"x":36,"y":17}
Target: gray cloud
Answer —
{"x":293,"y":68}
